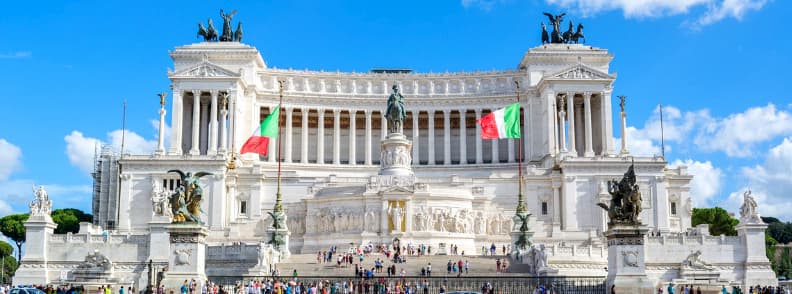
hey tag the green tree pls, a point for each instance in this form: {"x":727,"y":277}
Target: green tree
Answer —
{"x":13,"y":227}
{"x":719,"y":220}
{"x":10,"y":266}
{"x":68,"y":220}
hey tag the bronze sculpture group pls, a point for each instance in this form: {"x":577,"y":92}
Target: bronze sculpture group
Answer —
{"x":185,"y":202}
{"x":625,"y":204}
{"x":209,"y":33}
{"x":557,"y":37}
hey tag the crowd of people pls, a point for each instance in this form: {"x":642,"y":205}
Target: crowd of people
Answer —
{"x":690,"y":289}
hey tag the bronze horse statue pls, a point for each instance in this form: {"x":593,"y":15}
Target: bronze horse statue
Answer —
{"x":395,"y":113}
{"x":569,"y":33}
{"x":578,"y":34}
{"x":545,"y":35}
{"x":209,"y":34}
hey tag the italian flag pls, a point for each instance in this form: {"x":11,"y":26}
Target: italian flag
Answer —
{"x":259,"y":141}
{"x":501,"y":124}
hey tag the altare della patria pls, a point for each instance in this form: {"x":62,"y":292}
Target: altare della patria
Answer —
{"x":391,"y":159}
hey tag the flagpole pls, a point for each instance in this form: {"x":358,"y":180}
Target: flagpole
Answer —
{"x":521,"y":202}
{"x":278,"y":199}
{"x":662,"y":135}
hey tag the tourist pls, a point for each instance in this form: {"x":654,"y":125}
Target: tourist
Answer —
{"x":184,"y":287}
{"x":467,"y":266}
{"x":670,"y":288}
{"x":429,"y":269}
{"x":448,"y":267}
{"x":121,"y":290}
{"x":723,"y":290}
{"x":497,"y":265}
{"x":492,"y":249}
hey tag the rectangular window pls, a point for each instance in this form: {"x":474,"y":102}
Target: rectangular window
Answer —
{"x":544,"y":208}
{"x":673,"y":208}
{"x":243,"y":207}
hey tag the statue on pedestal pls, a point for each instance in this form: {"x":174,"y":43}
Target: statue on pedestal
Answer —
{"x":397,"y":215}
{"x":228,"y":34}
{"x":395,"y":113}
{"x":185,"y":203}
{"x":41,"y":205}
{"x":748,"y":213}
{"x":625,"y":204}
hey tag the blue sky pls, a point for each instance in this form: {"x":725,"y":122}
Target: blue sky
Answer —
{"x":720,"y":67}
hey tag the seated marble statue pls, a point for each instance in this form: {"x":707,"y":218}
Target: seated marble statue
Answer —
{"x":693,"y":261}
{"x":96,"y":262}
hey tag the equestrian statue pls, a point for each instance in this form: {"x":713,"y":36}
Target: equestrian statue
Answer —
{"x":395,"y":113}
{"x":210,"y":34}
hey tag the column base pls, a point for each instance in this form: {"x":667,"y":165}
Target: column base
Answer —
{"x":589,"y":153}
{"x":194,"y":152}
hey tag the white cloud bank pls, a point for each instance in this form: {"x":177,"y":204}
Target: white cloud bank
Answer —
{"x":715,"y":10}
{"x":81,"y":149}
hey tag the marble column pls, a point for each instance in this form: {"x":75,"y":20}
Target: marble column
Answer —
{"x":320,"y":137}
{"x":352,"y":138}
{"x":272,"y":153}
{"x":528,"y":126}
{"x":367,"y":139}
{"x":462,"y":137}
{"x":232,"y":121}
{"x":196,"y":122}
{"x":556,"y":202}
{"x":213,"y":125}
{"x":161,"y":136}
{"x":177,"y":116}
{"x":224,"y":124}
{"x":336,"y":136}
{"x":304,"y":139}
{"x":587,"y":109}
{"x":562,"y":129}
{"x":479,"y":157}
{"x":383,"y":126}
{"x":203,"y":140}
{"x":416,"y":138}
{"x":430,"y":138}
{"x":495,"y":152}
{"x":287,"y":153}
{"x":510,"y":144}
{"x":570,"y":98}
{"x":607,"y":123}
{"x":446,"y":137}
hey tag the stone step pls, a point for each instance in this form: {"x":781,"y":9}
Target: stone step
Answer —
{"x":306,"y":265}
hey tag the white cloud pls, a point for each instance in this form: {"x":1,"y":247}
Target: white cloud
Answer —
{"x":716,"y":10}
{"x":706,"y":180}
{"x":485,"y":5}
{"x":16,"y":55}
{"x":738,"y":134}
{"x":81,"y":149}
{"x":770,"y":182}
{"x":10,"y":156}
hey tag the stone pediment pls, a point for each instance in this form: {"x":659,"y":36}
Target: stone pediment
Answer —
{"x":580,"y":72}
{"x":396,"y":189}
{"x":205,"y":69}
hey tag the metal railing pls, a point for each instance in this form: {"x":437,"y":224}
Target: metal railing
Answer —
{"x":433,"y":284}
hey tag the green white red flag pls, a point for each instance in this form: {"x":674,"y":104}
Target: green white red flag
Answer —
{"x":259,"y":141}
{"x":501,"y":124}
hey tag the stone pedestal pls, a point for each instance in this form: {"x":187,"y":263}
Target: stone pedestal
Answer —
{"x":395,"y":155}
{"x":186,"y":256}
{"x":757,"y":267}
{"x":626,"y":264}
{"x":284,"y":233}
{"x":33,"y":269}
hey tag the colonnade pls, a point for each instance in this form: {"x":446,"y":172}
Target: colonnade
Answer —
{"x":209,"y":122}
{"x":575,"y":124}
{"x":317,"y":131}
